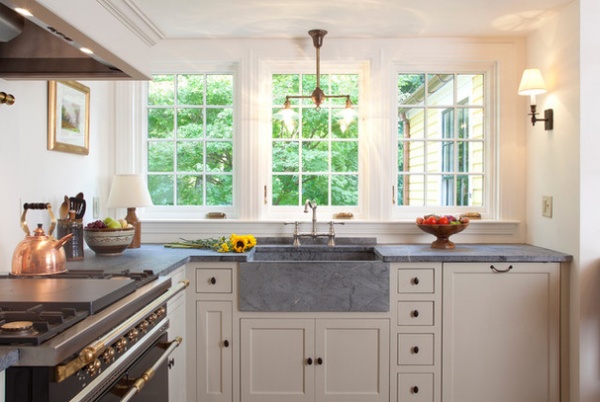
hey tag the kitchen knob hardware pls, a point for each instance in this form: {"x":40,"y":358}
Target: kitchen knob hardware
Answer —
{"x":501,"y":271}
{"x":226,"y":343}
{"x":143,"y":326}
{"x":120,"y":345}
{"x":415,"y":281}
{"x":309,"y":361}
{"x":93,"y":368}
{"x":415,"y":313}
{"x":213,"y":281}
{"x":415,"y":349}
{"x":160,"y":312}
{"x":415,"y":390}
{"x":320,"y":361}
{"x":133,"y":335}
{"x":152,"y":318}
{"x":171,"y":362}
{"x":108,"y":355}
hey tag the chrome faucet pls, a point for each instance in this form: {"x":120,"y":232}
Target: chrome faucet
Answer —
{"x":313,"y":206}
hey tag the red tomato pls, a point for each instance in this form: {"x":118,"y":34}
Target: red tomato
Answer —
{"x":419,"y":220}
{"x":431,"y":220}
{"x":443,"y":221}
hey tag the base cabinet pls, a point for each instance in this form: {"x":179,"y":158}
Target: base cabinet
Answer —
{"x":177,"y":360}
{"x":501,"y":332}
{"x":328,"y":360}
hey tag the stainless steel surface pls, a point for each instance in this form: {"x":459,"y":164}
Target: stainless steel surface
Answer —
{"x":70,"y":342}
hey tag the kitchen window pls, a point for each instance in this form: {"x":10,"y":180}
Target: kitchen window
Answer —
{"x":190,"y":139}
{"x":314,"y":153}
{"x":441,"y":137}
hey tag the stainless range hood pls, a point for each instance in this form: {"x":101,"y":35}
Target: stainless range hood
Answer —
{"x":33,"y":49}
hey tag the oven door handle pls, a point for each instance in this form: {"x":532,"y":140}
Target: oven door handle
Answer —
{"x":139,"y":383}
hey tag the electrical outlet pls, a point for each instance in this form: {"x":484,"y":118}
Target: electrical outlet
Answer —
{"x":96,"y":208}
{"x":547,"y":206}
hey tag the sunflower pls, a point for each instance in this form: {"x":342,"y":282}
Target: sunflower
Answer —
{"x":239,"y":243}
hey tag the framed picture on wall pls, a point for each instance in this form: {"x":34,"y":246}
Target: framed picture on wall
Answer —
{"x":68,"y":117}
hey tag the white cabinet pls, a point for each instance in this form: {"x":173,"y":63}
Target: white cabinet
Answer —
{"x":177,"y":360}
{"x":329,"y":360}
{"x":415,"y":365}
{"x":210,"y":365}
{"x":501,"y":332}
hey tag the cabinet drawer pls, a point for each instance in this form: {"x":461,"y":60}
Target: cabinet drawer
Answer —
{"x":415,"y":313}
{"x":415,"y":349}
{"x":213,"y":280}
{"x":415,"y":387}
{"x":415,"y":281}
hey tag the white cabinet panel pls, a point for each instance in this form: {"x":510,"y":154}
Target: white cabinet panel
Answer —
{"x":415,"y":387}
{"x":416,"y":280}
{"x":501,"y":333}
{"x":416,"y":313}
{"x":415,"y":349}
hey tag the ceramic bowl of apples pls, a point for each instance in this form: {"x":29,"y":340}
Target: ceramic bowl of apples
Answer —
{"x":108,"y":236}
{"x":442,"y":227}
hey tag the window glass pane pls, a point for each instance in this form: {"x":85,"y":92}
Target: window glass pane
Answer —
{"x":285,"y":123}
{"x":190,"y":190}
{"x":316,"y":188}
{"x":315,"y":156}
{"x":161,"y":90}
{"x":285,"y":156}
{"x":344,"y":156}
{"x":285,"y":84}
{"x":190,"y":123}
{"x":344,"y":190}
{"x":204,"y":142}
{"x":161,"y":123}
{"x":315,"y":123}
{"x":440,"y":89}
{"x":161,"y":189}
{"x":285,"y":190}
{"x":453,"y":156}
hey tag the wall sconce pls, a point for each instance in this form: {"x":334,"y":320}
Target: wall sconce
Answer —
{"x":7,"y":99}
{"x":532,"y":84}
{"x":317,"y":96}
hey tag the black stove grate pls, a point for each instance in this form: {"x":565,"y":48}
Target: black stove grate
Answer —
{"x":45,"y":323}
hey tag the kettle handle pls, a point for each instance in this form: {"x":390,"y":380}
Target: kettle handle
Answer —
{"x":37,"y":205}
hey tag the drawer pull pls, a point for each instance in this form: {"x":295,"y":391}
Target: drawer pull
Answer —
{"x":415,"y":349}
{"x":309,"y":361}
{"x":320,"y":361}
{"x":415,"y":390}
{"x":415,"y":313}
{"x":415,"y":281}
{"x":501,"y":271}
{"x":226,"y":343}
{"x":213,"y":280}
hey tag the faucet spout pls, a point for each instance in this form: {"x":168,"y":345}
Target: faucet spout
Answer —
{"x":313,"y":206}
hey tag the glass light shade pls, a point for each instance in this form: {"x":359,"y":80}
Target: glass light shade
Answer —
{"x":532,"y":82}
{"x":127,"y":191}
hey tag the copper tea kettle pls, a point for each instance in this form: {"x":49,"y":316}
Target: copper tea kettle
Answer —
{"x":39,"y":254}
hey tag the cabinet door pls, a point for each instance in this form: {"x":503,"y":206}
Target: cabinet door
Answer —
{"x":501,"y":332}
{"x":352,"y":360}
{"x":177,"y":360}
{"x":275,"y":361}
{"x":213,"y":376}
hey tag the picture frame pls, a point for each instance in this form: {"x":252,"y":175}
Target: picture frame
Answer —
{"x":68,"y":117}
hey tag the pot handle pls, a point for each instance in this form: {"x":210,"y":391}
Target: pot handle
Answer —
{"x":37,"y":205}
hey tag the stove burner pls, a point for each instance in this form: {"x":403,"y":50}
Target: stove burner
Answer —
{"x":18,"y":328}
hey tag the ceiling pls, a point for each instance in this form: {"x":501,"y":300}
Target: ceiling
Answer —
{"x":193,"y":19}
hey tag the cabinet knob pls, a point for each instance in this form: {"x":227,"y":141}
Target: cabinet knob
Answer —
{"x":415,"y":390}
{"x":320,"y":361}
{"x":415,"y":349}
{"x":415,"y":281}
{"x":226,"y":343}
{"x":213,"y":280}
{"x":171,"y":362}
{"x":309,"y":361}
{"x":415,"y":313}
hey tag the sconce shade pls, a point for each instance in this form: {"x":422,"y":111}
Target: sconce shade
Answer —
{"x":532,"y":82}
{"x":129,"y":190}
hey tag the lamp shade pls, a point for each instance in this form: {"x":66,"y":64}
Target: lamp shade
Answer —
{"x":129,"y":191}
{"x":532,"y":82}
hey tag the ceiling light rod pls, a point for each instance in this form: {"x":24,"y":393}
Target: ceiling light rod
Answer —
{"x":317,"y":96}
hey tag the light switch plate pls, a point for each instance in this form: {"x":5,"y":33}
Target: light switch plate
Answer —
{"x":547,"y":206}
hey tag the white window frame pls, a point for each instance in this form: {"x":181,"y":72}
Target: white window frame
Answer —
{"x":489,"y":210}
{"x":325,"y":213}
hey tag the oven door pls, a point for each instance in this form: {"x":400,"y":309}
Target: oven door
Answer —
{"x":156,"y":389}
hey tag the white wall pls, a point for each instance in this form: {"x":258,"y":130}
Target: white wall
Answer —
{"x":31,"y":173}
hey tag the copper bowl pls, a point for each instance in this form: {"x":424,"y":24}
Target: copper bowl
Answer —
{"x":443,"y":232}
{"x":108,"y":241}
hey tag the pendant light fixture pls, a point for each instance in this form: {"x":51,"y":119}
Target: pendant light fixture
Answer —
{"x":318,"y":96}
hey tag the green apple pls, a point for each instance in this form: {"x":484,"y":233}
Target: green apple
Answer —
{"x":113,"y":224}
